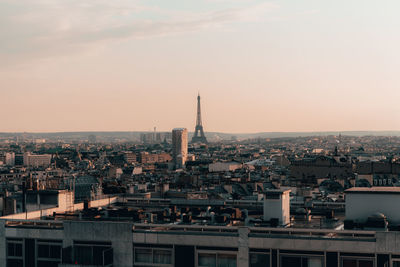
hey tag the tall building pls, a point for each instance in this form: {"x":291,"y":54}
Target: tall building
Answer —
{"x":10,"y":159}
{"x":199,"y":136}
{"x":179,"y":146}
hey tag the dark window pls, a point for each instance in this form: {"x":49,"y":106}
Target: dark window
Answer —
{"x":259,"y":260}
{"x":48,"y":263}
{"x":291,"y":261}
{"x":184,"y":256}
{"x":14,"y":249}
{"x":14,"y":263}
{"x":357,"y":262}
{"x":349,"y":263}
{"x":43,"y":251}
{"x":301,"y":261}
{"x":92,"y":253}
{"x":153,"y":255}
{"x":52,"y":251}
{"x":55,"y":252}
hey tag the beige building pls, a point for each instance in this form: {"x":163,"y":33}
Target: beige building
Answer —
{"x":179,"y":146}
{"x":37,"y":160}
{"x":146,"y":157}
{"x":224,"y":166}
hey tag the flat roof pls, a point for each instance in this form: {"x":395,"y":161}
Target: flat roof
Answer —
{"x":374,"y":190}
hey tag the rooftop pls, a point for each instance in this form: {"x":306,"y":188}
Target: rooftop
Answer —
{"x":374,"y":190}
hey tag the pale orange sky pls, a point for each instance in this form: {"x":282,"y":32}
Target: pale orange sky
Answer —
{"x":130,"y":65}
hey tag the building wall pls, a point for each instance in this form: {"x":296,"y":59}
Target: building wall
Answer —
{"x":223,"y":166}
{"x":239,"y":242}
{"x":10,"y":159}
{"x":278,"y":208}
{"x":37,"y":160}
{"x":359,"y":206}
{"x":179,"y":146}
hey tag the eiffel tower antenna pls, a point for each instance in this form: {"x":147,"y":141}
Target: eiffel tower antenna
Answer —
{"x":199,"y":136}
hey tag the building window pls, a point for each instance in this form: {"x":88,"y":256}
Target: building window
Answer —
{"x":216,"y":259}
{"x":143,"y":255}
{"x":15,"y":253}
{"x":14,"y":249}
{"x":93,"y":253}
{"x":153,"y":256}
{"x":301,"y":261}
{"x":353,"y":262}
{"x":48,"y":252}
{"x":206,"y":259}
{"x":259,"y":259}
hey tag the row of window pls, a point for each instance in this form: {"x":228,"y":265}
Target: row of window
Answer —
{"x":212,"y":259}
{"x":382,"y":181}
{"x":153,"y":256}
{"x":48,"y":253}
{"x":161,"y":256}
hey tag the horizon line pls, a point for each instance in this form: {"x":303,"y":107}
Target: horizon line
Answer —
{"x":162,"y":131}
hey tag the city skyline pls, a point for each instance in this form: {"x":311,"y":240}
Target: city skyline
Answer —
{"x":199,"y":133}
{"x":260,"y":66}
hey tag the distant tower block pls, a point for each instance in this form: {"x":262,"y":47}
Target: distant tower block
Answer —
{"x":199,"y":136}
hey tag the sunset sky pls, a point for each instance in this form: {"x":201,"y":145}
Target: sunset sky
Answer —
{"x":130,"y":65}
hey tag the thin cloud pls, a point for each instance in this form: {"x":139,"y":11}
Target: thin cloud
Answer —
{"x":47,"y":28}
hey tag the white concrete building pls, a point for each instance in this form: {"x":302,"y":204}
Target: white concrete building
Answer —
{"x":277,"y":206}
{"x":363,"y":202}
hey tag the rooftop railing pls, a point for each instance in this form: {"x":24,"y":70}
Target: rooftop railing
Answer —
{"x":37,"y":224}
{"x":260,"y":231}
{"x":256,"y":232}
{"x":312,"y":233}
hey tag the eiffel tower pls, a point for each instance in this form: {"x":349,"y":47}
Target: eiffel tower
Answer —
{"x":199,"y":136}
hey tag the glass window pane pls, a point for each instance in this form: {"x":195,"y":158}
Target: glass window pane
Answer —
{"x":290,"y":261}
{"x":396,"y":264}
{"x":10,"y":249}
{"x":143,"y":255}
{"x":207,"y":260}
{"x":314,"y":262}
{"x":162,"y":256}
{"x":18,"y":250}
{"x":47,"y":263}
{"x":349,"y":263}
{"x":55,"y":252}
{"x":14,"y":263}
{"x":83,"y":255}
{"x":365,"y":263}
{"x":226,"y":260}
{"x":98,"y":255}
{"x":43,"y":251}
{"x":259,"y":260}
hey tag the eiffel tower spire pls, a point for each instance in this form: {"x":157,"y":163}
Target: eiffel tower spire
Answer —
{"x":199,"y":136}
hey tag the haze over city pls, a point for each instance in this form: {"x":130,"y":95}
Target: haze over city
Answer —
{"x":259,"y":66}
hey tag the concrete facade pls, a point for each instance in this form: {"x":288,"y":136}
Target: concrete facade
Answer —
{"x":277,"y":206}
{"x":240,"y":243}
{"x":364,"y":202}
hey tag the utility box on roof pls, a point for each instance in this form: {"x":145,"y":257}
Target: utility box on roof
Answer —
{"x":277,"y":206}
